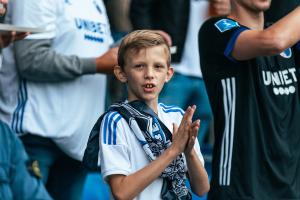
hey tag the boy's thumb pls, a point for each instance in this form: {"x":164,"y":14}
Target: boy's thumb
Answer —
{"x":175,"y":128}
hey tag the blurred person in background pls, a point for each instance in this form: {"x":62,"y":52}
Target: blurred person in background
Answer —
{"x":118,"y":14}
{"x":62,"y":85}
{"x":19,"y":177}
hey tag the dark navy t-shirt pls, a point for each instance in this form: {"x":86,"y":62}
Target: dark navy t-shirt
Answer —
{"x":256,"y":107}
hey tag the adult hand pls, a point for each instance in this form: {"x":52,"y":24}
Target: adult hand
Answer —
{"x":3,"y":4}
{"x":7,"y":38}
{"x":166,"y":36}
{"x":107,"y":62}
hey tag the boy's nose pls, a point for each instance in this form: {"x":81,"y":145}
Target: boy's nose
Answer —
{"x":149,"y":73}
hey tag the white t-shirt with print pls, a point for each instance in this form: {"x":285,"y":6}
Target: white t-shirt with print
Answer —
{"x":65,"y":111}
{"x":190,"y":63}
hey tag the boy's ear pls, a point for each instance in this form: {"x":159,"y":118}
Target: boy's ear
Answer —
{"x":120,"y":74}
{"x":170,"y":73}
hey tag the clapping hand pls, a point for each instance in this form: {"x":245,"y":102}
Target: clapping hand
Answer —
{"x":185,"y":135}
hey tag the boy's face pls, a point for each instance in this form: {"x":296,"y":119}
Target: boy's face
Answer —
{"x":145,"y":72}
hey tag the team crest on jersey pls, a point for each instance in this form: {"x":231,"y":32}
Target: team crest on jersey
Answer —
{"x":225,"y":25}
{"x":286,"y":53}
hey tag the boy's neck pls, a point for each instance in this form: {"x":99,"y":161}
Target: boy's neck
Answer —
{"x":251,"y":19}
{"x":152,"y":104}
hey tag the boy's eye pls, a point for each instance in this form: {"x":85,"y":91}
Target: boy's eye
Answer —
{"x":138,"y":66}
{"x":159,"y":66}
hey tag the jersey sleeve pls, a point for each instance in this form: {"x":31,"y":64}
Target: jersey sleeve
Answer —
{"x":217,"y":36}
{"x":37,"y":14}
{"x":114,"y":151}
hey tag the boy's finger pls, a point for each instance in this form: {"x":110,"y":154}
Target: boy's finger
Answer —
{"x":188,"y":115}
{"x":191,"y":113}
{"x":183,"y":122}
{"x":175,"y":128}
{"x":192,"y":140}
{"x":195,"y":123}
{"x":195,"y":131}
{"x":195,"y":128}
{"x":187,"y":112}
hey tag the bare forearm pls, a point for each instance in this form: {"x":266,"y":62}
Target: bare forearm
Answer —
{"x":138,"y":181}
{"x":287,"y":30}
{"x":197,"y":174}
{"x":271,"y":41}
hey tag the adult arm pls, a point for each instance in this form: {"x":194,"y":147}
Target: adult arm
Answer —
{"x":127,"y":187}
{"x":271,"y":41}
{"x":37,"y":62}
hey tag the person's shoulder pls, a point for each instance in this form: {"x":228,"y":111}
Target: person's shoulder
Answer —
{"x":113,"y":128}
{"x":111,"y":117}
{"x":171,"y":109}
{"x":219,"y":24}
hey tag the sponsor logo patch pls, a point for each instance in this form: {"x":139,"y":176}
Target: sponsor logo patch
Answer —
{"x":226,"y":24}
{"x":283,"y":82}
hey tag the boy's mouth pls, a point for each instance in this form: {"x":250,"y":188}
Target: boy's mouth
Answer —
{"x":149,"y":85}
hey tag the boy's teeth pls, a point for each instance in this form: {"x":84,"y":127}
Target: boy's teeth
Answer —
{"x":148,"y":86}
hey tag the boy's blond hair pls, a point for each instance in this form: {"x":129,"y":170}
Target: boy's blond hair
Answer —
{"x":141,"y":39}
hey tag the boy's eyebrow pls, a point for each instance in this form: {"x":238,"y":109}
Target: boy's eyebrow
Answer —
{"x":161,"y":62}
{"x":138,"y":62}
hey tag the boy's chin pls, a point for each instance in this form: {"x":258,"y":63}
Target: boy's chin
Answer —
{"x":149,"y":98}
{"x":145,"y":98}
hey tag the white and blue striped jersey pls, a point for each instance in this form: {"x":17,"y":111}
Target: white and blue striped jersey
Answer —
{"x":121,"y":152}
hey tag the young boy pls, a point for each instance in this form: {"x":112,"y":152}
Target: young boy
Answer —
{"x":137,"y":158}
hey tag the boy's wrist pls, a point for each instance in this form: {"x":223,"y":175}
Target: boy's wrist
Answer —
{"x":190,"y":155}
{"x":173,"y":151}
